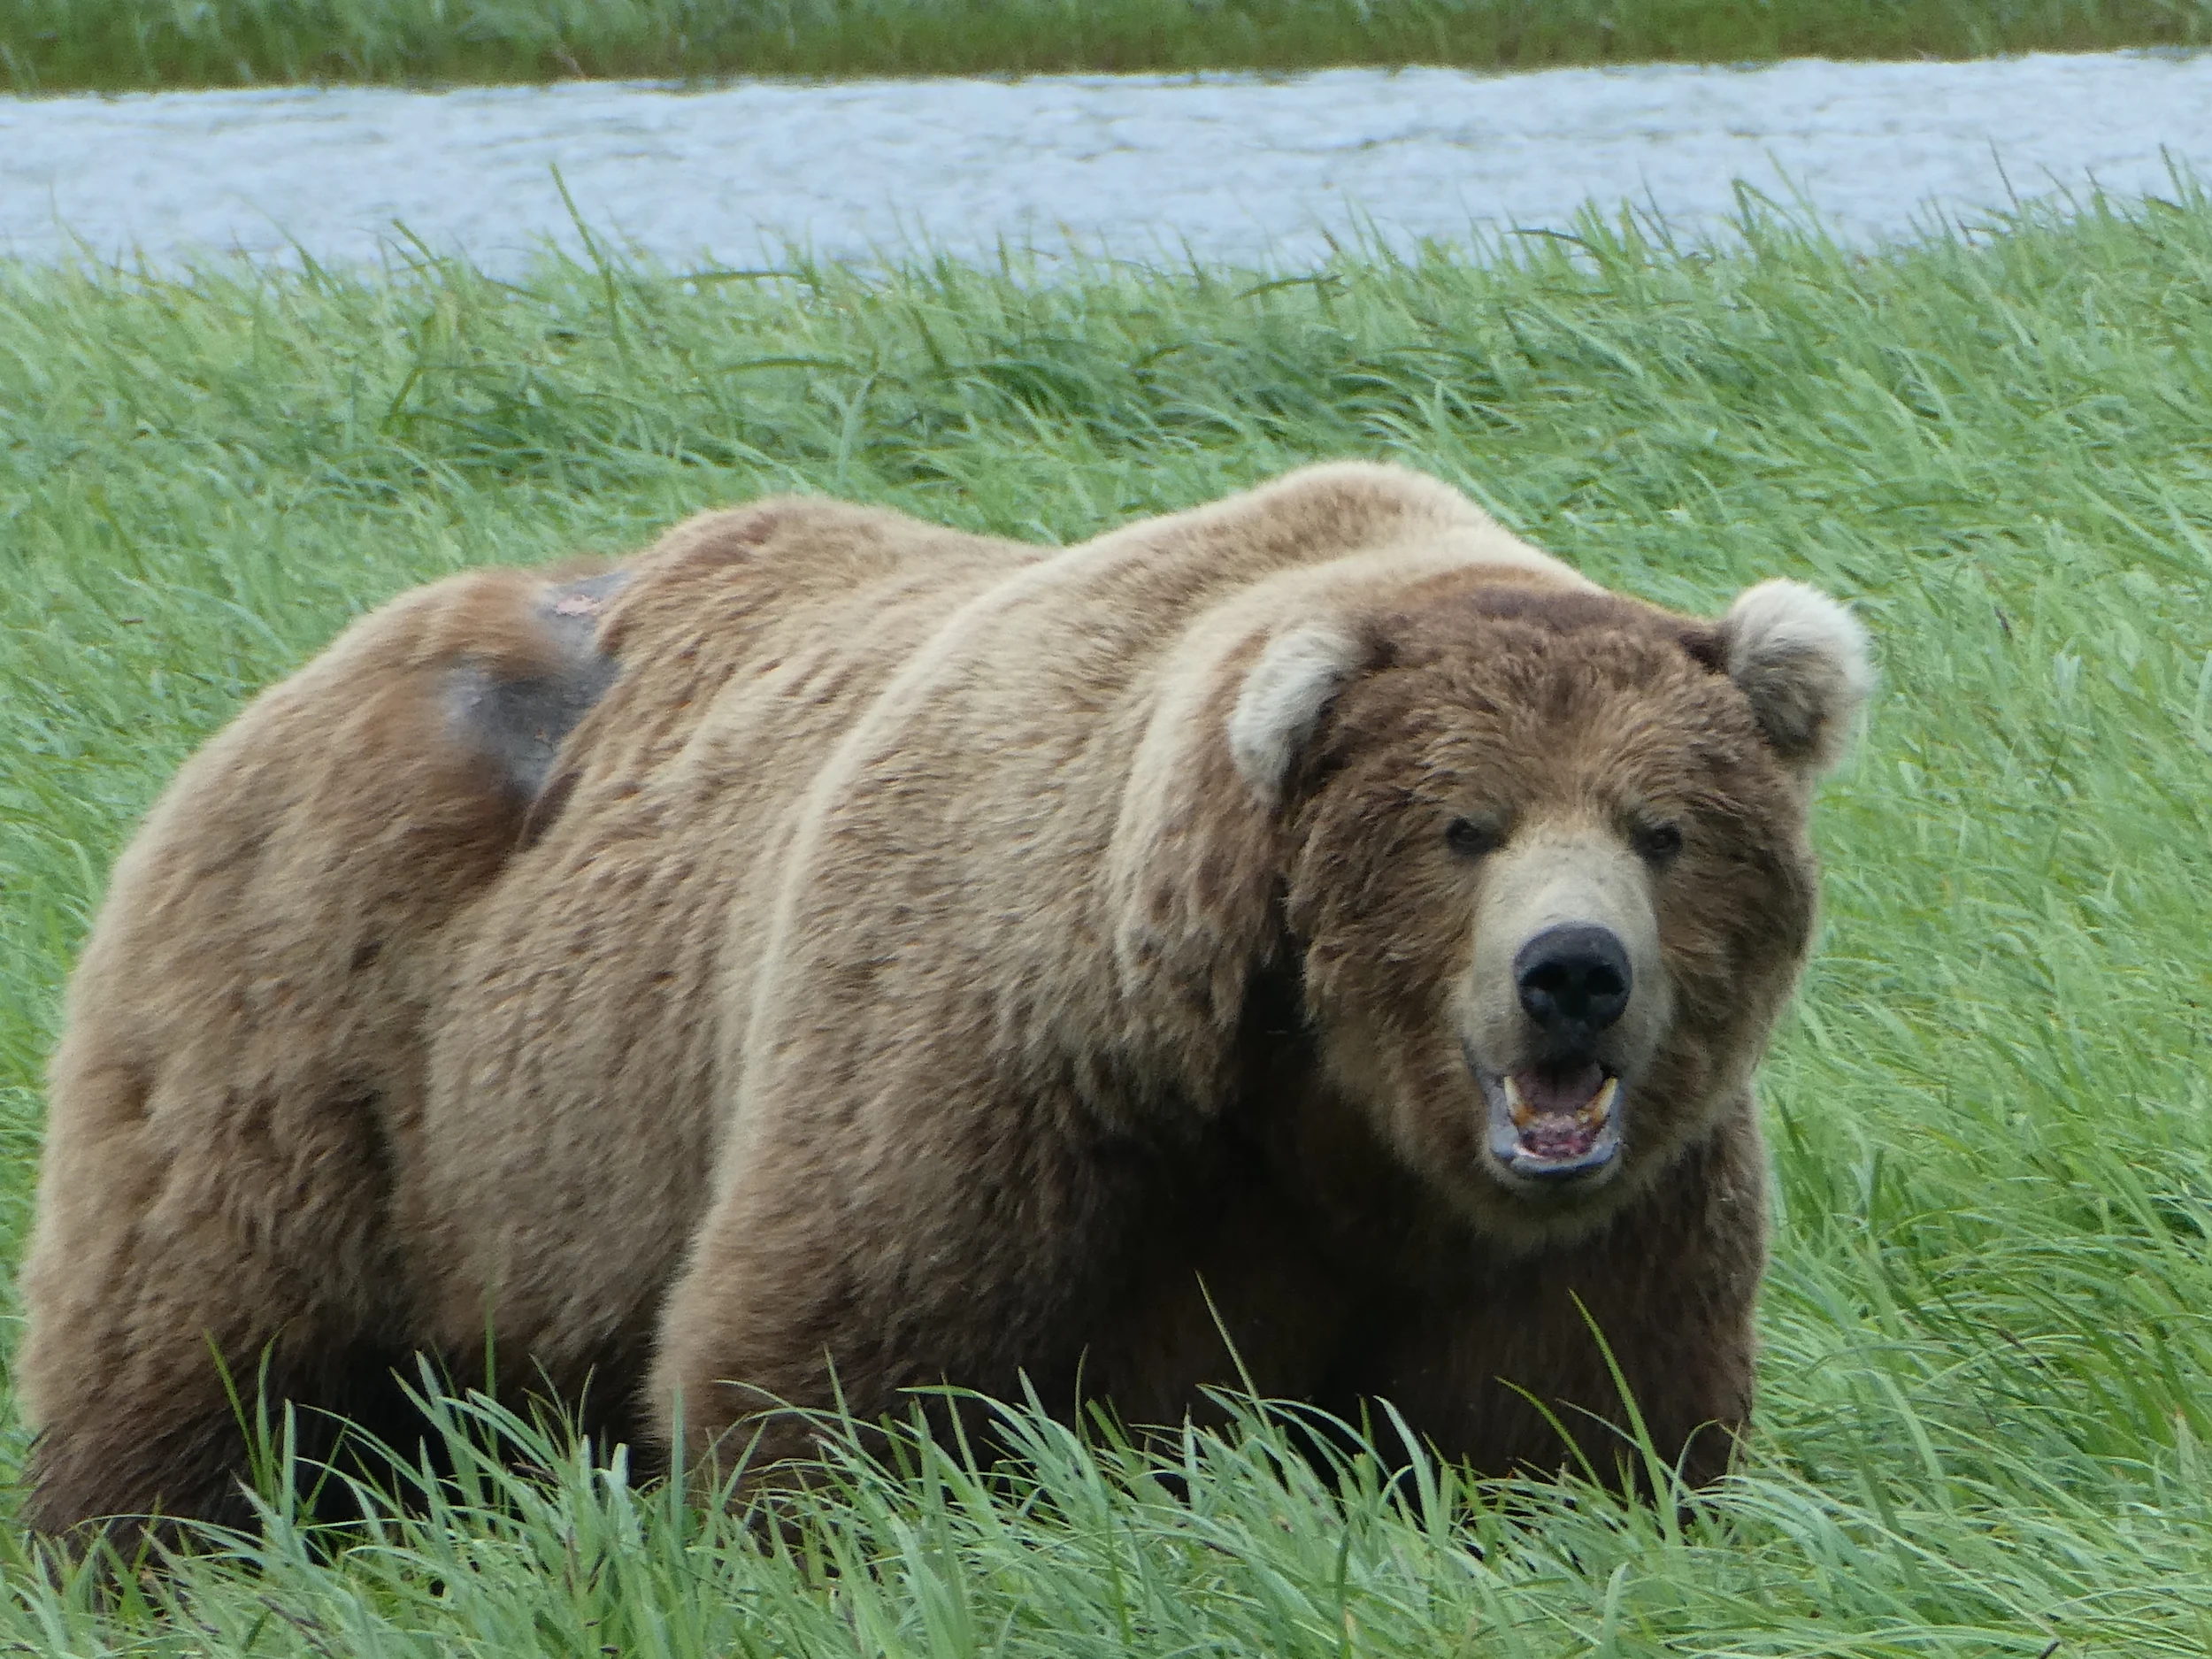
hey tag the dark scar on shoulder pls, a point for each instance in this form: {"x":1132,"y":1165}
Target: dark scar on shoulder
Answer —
{"x":516,"y":724}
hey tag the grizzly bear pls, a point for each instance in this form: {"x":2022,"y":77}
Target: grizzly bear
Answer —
{"x":1314,"y":942}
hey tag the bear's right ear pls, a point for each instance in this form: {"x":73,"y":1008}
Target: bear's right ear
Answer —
{"x":1282,"y":701}
{"x":1802,"y":659}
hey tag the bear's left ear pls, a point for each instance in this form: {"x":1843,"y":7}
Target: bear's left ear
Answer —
{"x":1802,"y":658}
{"x":1280,"y":702}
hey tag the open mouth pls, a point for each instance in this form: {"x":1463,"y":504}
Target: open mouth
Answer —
{"x":1554,"y":1124}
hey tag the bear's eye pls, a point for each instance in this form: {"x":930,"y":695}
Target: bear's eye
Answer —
{"x":1657,"y":842}
{"x":1471,"y":838}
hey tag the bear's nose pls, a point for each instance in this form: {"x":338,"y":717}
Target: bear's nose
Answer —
{"x":1574,"y":981}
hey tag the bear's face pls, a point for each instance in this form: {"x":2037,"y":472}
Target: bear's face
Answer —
{"x":1546,"y":867}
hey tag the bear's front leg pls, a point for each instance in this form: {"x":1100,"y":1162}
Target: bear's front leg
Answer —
{"x":1670,"y":1285}
{"x":840,"y":1267}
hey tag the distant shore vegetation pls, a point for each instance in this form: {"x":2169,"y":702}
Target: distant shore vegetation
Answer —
{"x":53,"y":46}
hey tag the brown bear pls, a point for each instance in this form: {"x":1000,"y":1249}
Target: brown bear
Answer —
{"x":1316,"y":938}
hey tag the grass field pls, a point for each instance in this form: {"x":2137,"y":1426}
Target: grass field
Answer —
{"x":1988,"y":1379}
{"x":108,"y":45}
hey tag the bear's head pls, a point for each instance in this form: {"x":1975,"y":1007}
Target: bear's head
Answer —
{"x":1542,"y":857}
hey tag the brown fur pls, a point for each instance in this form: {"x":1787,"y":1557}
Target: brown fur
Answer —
{"x":894,"y":971}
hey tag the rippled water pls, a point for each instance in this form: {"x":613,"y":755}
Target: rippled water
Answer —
{"x":1222,"y":168}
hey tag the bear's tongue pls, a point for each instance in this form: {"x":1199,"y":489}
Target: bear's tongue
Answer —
{"x":1560,"y":1114}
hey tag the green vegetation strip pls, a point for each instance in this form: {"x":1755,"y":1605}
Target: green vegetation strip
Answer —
{"x":1988,"y":1373}
{"x":113,"y":45}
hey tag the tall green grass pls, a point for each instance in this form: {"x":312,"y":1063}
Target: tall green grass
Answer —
{"x":1988,"y":1383}
{"x":112,"y":46}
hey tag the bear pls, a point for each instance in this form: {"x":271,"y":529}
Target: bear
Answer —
{"x":1315,"y":943}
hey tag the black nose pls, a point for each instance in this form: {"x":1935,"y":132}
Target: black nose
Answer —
{"x":1574,"y":981}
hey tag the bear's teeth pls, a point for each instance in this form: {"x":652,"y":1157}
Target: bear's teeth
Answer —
{"x":1594,"y":1113}
{"x":1600,"y":1107}
{"x":1522,"y":1113}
